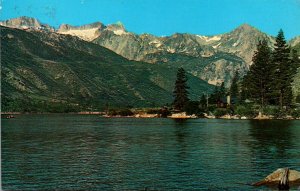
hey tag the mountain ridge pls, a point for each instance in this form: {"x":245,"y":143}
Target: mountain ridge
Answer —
{"x":245,"y":26}
{"x":40,"y":70}
{"x":212,"y":58}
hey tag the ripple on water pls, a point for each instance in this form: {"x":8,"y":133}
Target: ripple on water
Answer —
{"x":48,"y":152}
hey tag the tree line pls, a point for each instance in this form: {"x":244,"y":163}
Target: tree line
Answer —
{"x":268,"y":81}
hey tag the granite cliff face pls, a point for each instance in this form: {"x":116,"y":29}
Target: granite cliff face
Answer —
{"x":241,"y":42}
{"x":26,"y":23}
{"x":215,"y":58}
{"x":86,"y":32}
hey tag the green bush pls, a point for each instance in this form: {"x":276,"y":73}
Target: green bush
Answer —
{"x":295,"y":113}
{"x":211,"y":108}
{"x":126,"y":112}
{"x":153,"y":111}
{"x":220,"y":112}
{"x":192,"y":107}
{"x":298,"y":99}
{"x":121,"y":112}
{"x":271,"y":110}
{"x":162,"y":112}
{"x":245,"y":110}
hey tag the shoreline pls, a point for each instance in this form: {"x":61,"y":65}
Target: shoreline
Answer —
{"x":151,"y":116}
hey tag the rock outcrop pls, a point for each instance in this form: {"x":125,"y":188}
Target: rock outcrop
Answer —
{"x":26,"y":23}
{"x":274,"y":178}
{"x":86,"y":32}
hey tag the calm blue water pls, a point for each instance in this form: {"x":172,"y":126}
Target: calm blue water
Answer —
{"x":81,"y":152}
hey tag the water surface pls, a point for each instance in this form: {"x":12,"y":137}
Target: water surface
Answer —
{"x":86,"y":152}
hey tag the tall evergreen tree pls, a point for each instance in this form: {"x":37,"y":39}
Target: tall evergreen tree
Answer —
{"x":234,"y":87}
{"x":203,"y":102}
{"x":257,"y":81}
{"x":282,"y":72}
{"x":180,"y":90}
{"x":218,"y":93}
{"x":295,"y":59}
{"x":222,"y":90}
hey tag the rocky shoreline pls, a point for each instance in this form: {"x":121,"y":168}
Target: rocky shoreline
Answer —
{"x":181,"y":115}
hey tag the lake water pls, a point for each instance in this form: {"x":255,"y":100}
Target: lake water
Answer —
{"x":86,"y":152}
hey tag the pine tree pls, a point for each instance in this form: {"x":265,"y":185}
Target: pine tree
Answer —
{"x":203,"y":102}
{"x":222,"y":91}
{"x":234,"y":88}
{"x":295,"y":59}
{"x":257,"y":81}
{"x":218,"y":93}
{"x":282,"y":72}
{"x":181,"y":90}
{"x":214,"y":97}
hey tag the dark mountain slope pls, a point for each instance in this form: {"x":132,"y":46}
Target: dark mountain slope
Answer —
{"x":41,"y":70}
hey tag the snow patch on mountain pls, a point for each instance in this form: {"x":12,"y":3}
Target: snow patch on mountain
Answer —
{"x":156,"y":43}
{"x":216,"y":46}
{"x":171,"y":50}
{"x":85,"y":34}
{"x":209,"y":39}
{"x":119,"y":32}
{"x":235,"y":44}
{"x":215,"y":81}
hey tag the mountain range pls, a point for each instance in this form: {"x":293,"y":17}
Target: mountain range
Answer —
{"x":99,"y":63}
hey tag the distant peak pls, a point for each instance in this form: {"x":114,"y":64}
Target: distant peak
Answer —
{"x":119,"y":23}
{"x":246,"y":26}
{"x":22,"y":21}
{"x":25,"y":23}
{"x":66,"y":27}
{"x":116,"y":26}
{"x":24,"y":18}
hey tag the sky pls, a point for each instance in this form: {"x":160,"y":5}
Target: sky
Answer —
{"x":164,"y":17}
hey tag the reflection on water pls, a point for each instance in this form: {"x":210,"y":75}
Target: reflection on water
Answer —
{"x":48,"y":152}
{"x":271,"y":142}
{"x":275,"y":144}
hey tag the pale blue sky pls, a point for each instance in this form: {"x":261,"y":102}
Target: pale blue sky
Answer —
{"x":164,"y":17}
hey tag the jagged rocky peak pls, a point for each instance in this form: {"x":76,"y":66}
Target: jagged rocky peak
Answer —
{"x":118,"y":28}
{"x":26,"y":23}
{"x":21,"y":22}
{"x":86,"y":32}
{"x":246,"y":26}
{"x":66,"y":27}
{"x":245,"y":29}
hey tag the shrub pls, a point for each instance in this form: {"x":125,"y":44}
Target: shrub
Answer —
{"x":153,"y":111}
{"x":211,"y":108}
{"x":220,"y":112}
{"x":121,"y":112}
{"x":164,"y":112}
{"x":295,"y":113}
{"x":192,"y":107}
{"x":126,"y":112}
{"x":298,"y":99}
{"x":245,"y":110}
{"x":272,"y":110}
